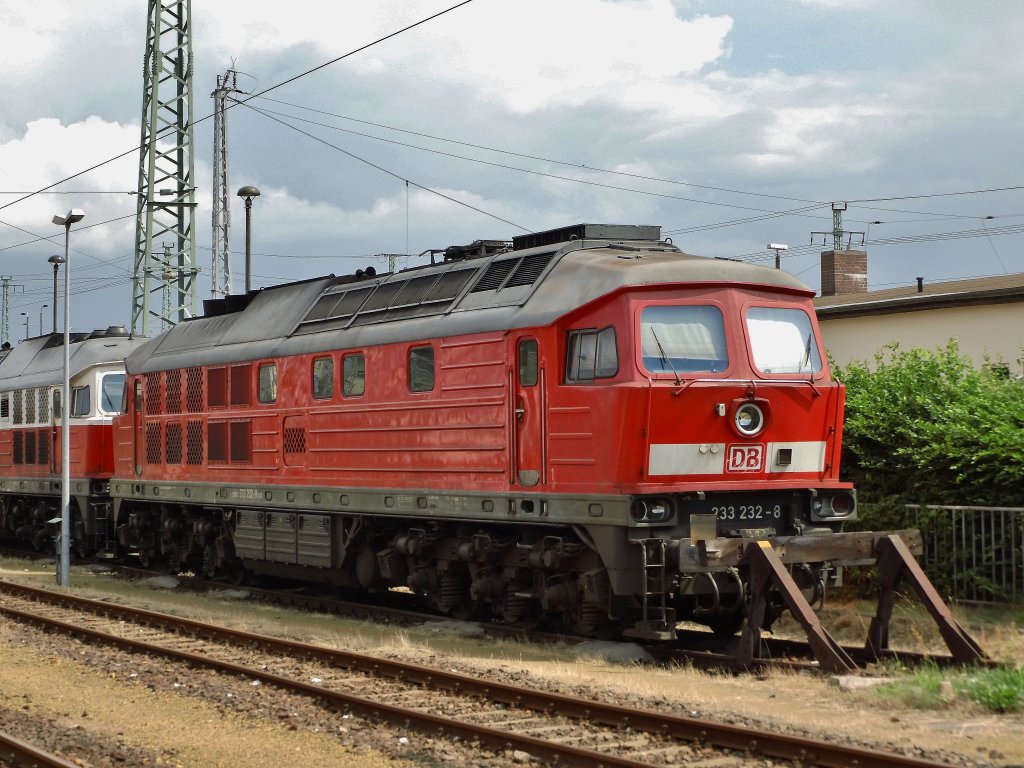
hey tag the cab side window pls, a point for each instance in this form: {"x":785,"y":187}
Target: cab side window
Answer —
{"x":267,"y":384}
{"x":421,"y":369}
{"x":353,"y":375}
{"x":591,"y":354}
{"x":81,"y":401}
{"x":323,"y":378}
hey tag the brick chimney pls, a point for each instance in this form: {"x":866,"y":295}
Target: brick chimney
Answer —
{"x":844,"y":272}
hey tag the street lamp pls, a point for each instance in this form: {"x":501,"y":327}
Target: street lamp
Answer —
{"x":56,"y":261}
{"x":64,"y":561}
{"x":248,"y":193}
{"x":777,"y":247}
{"x":41,"y":318}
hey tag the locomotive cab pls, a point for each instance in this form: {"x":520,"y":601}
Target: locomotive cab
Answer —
{"x":711,"y":406}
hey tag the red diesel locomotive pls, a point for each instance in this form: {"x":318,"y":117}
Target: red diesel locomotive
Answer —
{"x":586,"y":427}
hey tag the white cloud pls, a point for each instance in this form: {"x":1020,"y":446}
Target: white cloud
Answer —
{"x":50,"y":151}
{"x":28,"y":33}
{"x":527,"y":55}
{"x":809,"y":135}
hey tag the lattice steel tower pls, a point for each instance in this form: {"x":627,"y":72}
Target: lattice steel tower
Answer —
{"x":221,"y":272}
{"x":166,"y":208}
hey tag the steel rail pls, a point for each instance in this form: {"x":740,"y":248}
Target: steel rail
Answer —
{"x":694,"y":647}
{"x":21,"y":753}
{"x":560,"y":754}
{"x":755,"y":742}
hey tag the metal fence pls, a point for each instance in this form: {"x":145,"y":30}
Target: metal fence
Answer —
{"x":973,"y":553}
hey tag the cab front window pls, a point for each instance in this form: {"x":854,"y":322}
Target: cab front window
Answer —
{"x":678,"y":339}
{"x":782,"y":340}
{"x":112,"y":392}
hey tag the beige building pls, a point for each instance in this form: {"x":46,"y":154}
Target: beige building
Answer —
{"x":985,"y":315}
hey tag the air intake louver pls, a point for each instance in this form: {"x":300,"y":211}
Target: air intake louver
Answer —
{"x":529,"y":269}
{"x":524,"y":271}
{"x":495,"y":275}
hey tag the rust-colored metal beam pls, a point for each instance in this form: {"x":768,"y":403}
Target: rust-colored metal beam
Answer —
{"x":766,"y":571}
{"x":896,"y":562}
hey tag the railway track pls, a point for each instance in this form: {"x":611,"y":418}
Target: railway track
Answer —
{"x":550,"y":727}
{"x":697,"y":648}
{"x":15,"y":752}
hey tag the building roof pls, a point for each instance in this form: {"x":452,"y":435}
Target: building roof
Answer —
{"x":979,"y":290}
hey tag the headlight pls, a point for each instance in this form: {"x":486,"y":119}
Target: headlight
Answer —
{"x":749,"y":419}
{"x":650,"y":510}
{"x":834,"y":506}
{"x":842,"y":504}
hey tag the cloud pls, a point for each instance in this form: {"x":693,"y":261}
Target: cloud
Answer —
{"x":526,"y":55}
{"x":49,"y":152}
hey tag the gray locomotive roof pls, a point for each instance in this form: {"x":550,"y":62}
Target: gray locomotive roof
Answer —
{"x":39,"y":362}
{"x":543,"y":284}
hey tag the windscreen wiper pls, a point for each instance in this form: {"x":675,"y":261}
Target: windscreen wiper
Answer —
{"x":665,"y":358}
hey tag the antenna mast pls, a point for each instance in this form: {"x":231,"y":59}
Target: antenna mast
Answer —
{"x":166,"y":207}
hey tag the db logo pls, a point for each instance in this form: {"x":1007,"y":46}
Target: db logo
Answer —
{"x":745,"y":458}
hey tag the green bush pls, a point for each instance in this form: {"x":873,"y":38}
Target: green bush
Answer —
{"x":926,"y":427}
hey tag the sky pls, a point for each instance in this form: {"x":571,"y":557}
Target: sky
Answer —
{"x":731,"y":124}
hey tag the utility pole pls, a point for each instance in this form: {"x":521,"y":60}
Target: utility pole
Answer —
{"x":5,"y":310}
{"x":221,"y":271}
{"x":166,"y":170}
{"x":837,"y":230}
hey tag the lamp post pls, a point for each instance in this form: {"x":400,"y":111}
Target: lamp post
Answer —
{"x":25,"y":315}
{"x":64,"y":561}
{"x":41,"y":318}
{"x":56,"y":261}
{"x":248,"y":193}
{"x":777,"y":247}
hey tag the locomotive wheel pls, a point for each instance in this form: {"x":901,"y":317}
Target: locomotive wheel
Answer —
{"x":238,"y":575}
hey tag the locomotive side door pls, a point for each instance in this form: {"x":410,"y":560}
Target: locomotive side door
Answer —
{"x":52,"y":429}
{"x":528,"y":414}
{"x":137,"y":439}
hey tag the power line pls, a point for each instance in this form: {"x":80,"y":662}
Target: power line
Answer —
{"x":525,"y":156}
{"x":936,"y":194}
{"x":543,"y":174}
{"x":385,"y":170}
{"x":170,"y":129}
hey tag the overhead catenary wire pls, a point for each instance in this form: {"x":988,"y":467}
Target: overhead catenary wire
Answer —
{"x":171,"y":128}
{"x":523,"y":155}
{"x":544,"y":174}
{"x":386,"y":171}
